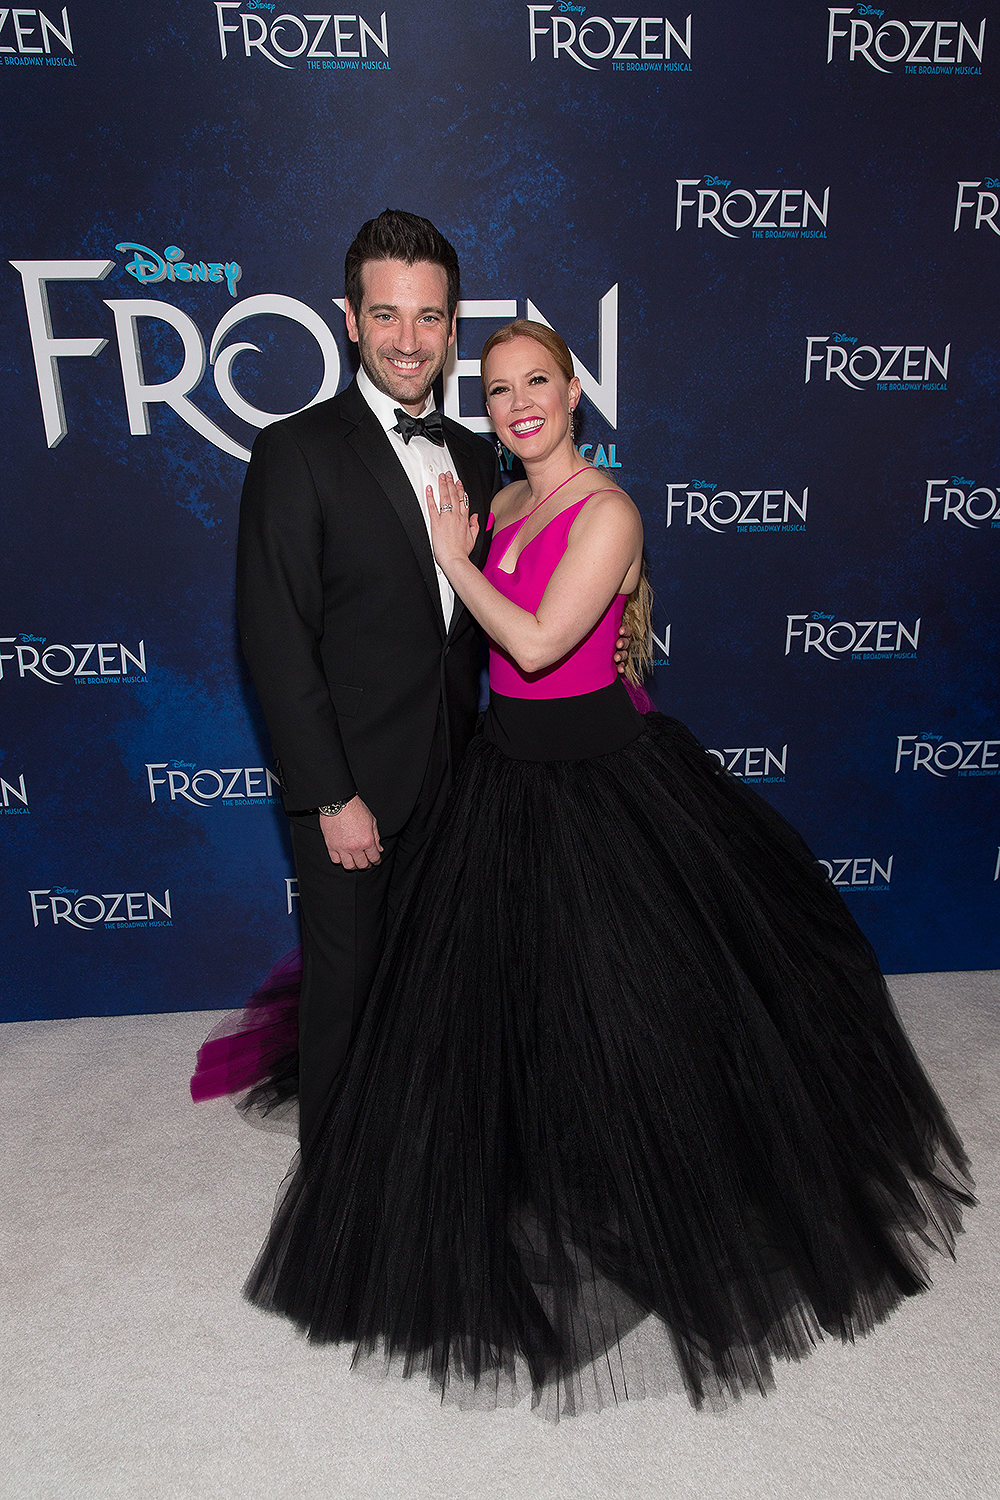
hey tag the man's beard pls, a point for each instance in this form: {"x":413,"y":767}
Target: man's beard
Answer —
{"x":383,"y":380}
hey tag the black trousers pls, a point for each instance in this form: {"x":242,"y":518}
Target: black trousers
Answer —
{"x":345,"y":917}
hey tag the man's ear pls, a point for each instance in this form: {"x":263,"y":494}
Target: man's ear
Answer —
{"x":352,"y":323}
{"x":454,"y":328}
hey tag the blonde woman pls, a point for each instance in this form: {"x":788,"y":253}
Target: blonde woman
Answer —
{"x":627,"y":1053}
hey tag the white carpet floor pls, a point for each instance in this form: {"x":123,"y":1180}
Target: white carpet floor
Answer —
{"x":130,"y":1366}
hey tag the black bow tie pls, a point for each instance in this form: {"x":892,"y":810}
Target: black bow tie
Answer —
{"x":430,"y":427}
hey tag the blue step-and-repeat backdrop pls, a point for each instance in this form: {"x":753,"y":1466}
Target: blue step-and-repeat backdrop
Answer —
{"x":770,"y":235}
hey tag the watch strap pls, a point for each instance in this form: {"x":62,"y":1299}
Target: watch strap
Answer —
{"x":331,"y":809}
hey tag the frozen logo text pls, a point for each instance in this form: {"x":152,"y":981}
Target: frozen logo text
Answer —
{"x":622,"y":39}
{"x":659,"y":645}
{"x":972,"y":505}
{"x":940,"y":757}
{"x":835,"y":639}
{"x":142,"y":394}
{"x":696,"y":502}
{"x":54,"y":663}
{"x":236,"y":785}
{"x":884,"y":44}
{"x":859,"y":873}
{"x":148,"y":267}
{"x":13,"y":795}
{"x":985,"y":203}
{"x":288,"y":37}
{"x":763,"y":211}
{"x":754,"y":762}
{"x":86,"y":912}
{"x":836,"y":356}
{"x":14,"y":38}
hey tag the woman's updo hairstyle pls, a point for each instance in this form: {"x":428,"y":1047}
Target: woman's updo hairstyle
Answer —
{"x":524,"y":328}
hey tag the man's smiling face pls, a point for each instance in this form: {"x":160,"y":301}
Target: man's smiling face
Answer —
{"x":402,"y":328}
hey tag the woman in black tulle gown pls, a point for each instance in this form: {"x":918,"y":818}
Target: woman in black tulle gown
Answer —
{"x":627,"y":1052}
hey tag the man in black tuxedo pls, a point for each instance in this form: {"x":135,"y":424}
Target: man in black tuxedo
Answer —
{"x":365,"y":662}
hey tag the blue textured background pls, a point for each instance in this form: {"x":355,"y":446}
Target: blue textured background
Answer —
{"x":554,"y":183}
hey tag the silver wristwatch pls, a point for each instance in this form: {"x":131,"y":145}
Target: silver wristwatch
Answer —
{"x":333,"y":808}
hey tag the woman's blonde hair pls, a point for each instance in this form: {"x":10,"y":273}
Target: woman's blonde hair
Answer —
{"x":638,"y":608}
{"x":638,"y":620}
{"x":524,"y":328}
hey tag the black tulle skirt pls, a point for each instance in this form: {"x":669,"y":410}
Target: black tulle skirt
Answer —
{"x":627,"y":1054}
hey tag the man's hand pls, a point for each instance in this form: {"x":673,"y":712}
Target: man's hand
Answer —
{"x":351,"y":836}
{"x":621,"y":647}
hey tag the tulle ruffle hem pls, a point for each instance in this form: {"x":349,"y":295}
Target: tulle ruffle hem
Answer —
{"x":629,"y":1077}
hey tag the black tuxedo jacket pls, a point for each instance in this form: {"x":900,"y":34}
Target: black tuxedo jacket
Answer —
{"x":339,"y":608}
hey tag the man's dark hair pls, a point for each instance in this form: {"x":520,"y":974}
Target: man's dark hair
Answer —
{"x":397,"y":235}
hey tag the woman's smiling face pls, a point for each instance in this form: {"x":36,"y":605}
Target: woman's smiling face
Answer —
{"x":528,"y":397}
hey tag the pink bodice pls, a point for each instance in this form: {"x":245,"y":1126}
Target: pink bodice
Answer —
{"x":591,"y":664}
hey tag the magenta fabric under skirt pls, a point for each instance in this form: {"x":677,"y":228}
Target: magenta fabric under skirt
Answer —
{"x":256,"y":1048}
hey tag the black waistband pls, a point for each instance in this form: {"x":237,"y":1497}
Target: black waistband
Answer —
{"x":563,"y":728}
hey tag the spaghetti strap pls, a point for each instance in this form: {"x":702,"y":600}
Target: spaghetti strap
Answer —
{"x":575,"y":475}
{"x":610,"y":490}
{"x":518,"y":524}
{"x":571,"y":510}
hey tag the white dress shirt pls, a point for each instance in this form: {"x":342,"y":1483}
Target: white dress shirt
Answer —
{"x":422,"y":461}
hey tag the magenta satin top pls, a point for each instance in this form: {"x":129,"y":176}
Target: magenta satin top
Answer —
{"x":591,"y":664}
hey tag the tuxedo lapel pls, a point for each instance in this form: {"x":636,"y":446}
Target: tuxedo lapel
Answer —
{"x":375,"y":451}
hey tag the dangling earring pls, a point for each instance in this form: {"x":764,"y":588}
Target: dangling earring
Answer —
{"x":571,"y":434}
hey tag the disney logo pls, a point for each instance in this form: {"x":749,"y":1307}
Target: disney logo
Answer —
{"x":147,"y":267}
{"x":564,"y":6}
{"x":992,"y":182}
{"x":870,"y":10}
{"x":842,"y":338}
{"x":930,"y":736}
{"x":957,"y":479}
{"x":703,"y":484}
{"x":41,"y":639}
{"x":66,"y":890}
{"x":182,"y":765}
{"x":816,"y":615}
{"x":259,"y":5}
{"x":718,"y":182}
